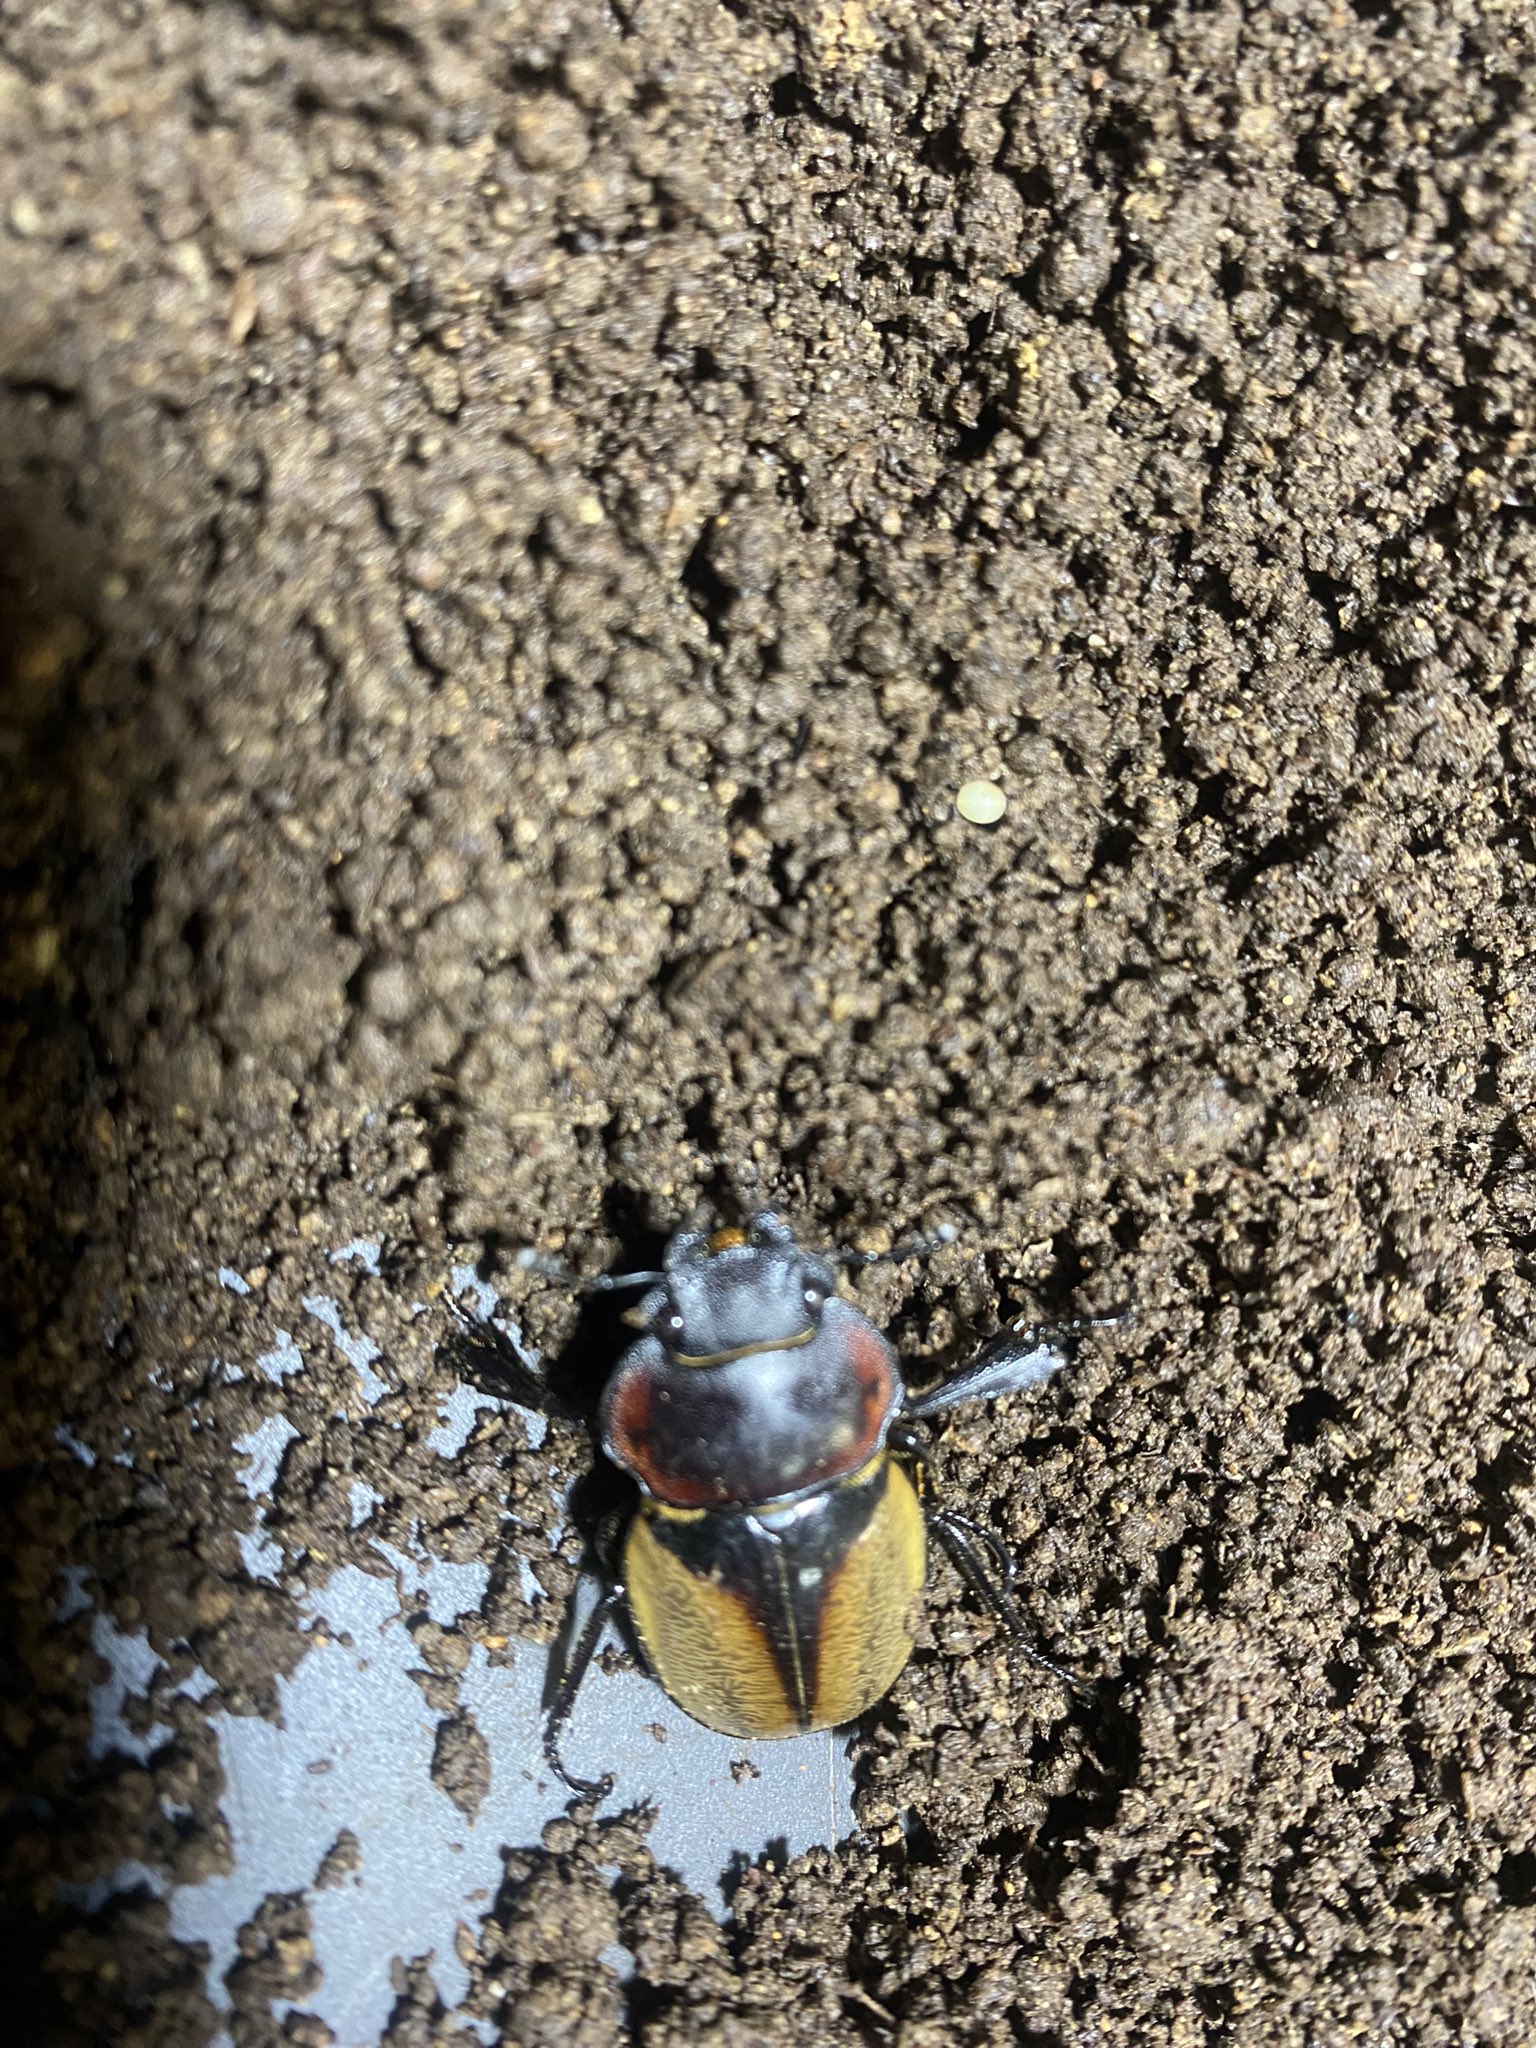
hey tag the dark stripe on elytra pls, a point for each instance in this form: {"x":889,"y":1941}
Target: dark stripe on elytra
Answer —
{"x":734,"y":1550}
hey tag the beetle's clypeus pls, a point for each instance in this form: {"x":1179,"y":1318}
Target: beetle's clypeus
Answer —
{"x":779,"y":1543}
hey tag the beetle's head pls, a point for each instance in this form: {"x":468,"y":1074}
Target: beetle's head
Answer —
{"x":731,"y":1292}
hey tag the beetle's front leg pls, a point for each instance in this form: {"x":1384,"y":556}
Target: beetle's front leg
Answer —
{"x":476,"y":1342}
{"x":1020,"y":1356}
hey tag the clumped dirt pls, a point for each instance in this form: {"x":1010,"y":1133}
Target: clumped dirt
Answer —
{"x":517,"y":519}
{"x":461,"y":1763}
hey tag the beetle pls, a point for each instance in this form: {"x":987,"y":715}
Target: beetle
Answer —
{"x":778,"y":1547}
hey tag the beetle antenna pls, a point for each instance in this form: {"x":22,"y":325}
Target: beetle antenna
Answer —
{"x":548,"y":1267}
{"x":921,"y":1245}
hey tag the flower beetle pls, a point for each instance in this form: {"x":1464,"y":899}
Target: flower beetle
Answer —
{"x":772,"y":1564}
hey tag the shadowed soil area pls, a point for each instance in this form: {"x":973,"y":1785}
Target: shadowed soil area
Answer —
{"x":517,"y":519}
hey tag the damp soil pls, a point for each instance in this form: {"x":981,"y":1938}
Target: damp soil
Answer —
{"x":518,"y":519}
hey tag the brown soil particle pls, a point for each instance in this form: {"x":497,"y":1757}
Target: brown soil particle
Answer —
{"x":277,"y":1961}
{"x":339,"y":1861}
{"x":517,"y":518}
{"x":461,"y":1763}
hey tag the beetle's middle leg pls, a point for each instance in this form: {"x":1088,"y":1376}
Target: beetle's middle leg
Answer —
{"x":966,"y":1546}
{"x":564,"y":1680}
{"x":572,"y":1671}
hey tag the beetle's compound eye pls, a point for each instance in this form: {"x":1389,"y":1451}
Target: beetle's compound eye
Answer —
{"x":814,"y":1294}
{"x":671,"y":1321}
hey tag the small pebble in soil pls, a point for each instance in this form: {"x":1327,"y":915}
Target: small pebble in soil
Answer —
{"x":980,"y":803}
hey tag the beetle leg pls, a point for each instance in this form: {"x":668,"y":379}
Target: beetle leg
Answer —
{"x":908,"y":1443}
{"x":996,"y":1549}
{"x":476,"y":1340}
{"x":568,"y":1685}
{"x":1014,"y":1359}
{"x":962,"y":1543}
{"x":607,"y":1544}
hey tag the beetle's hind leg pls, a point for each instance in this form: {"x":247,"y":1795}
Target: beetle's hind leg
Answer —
{"x":567,"y":1677}
{"x":1018,"y":1357}
{"x":968,"y":1547}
